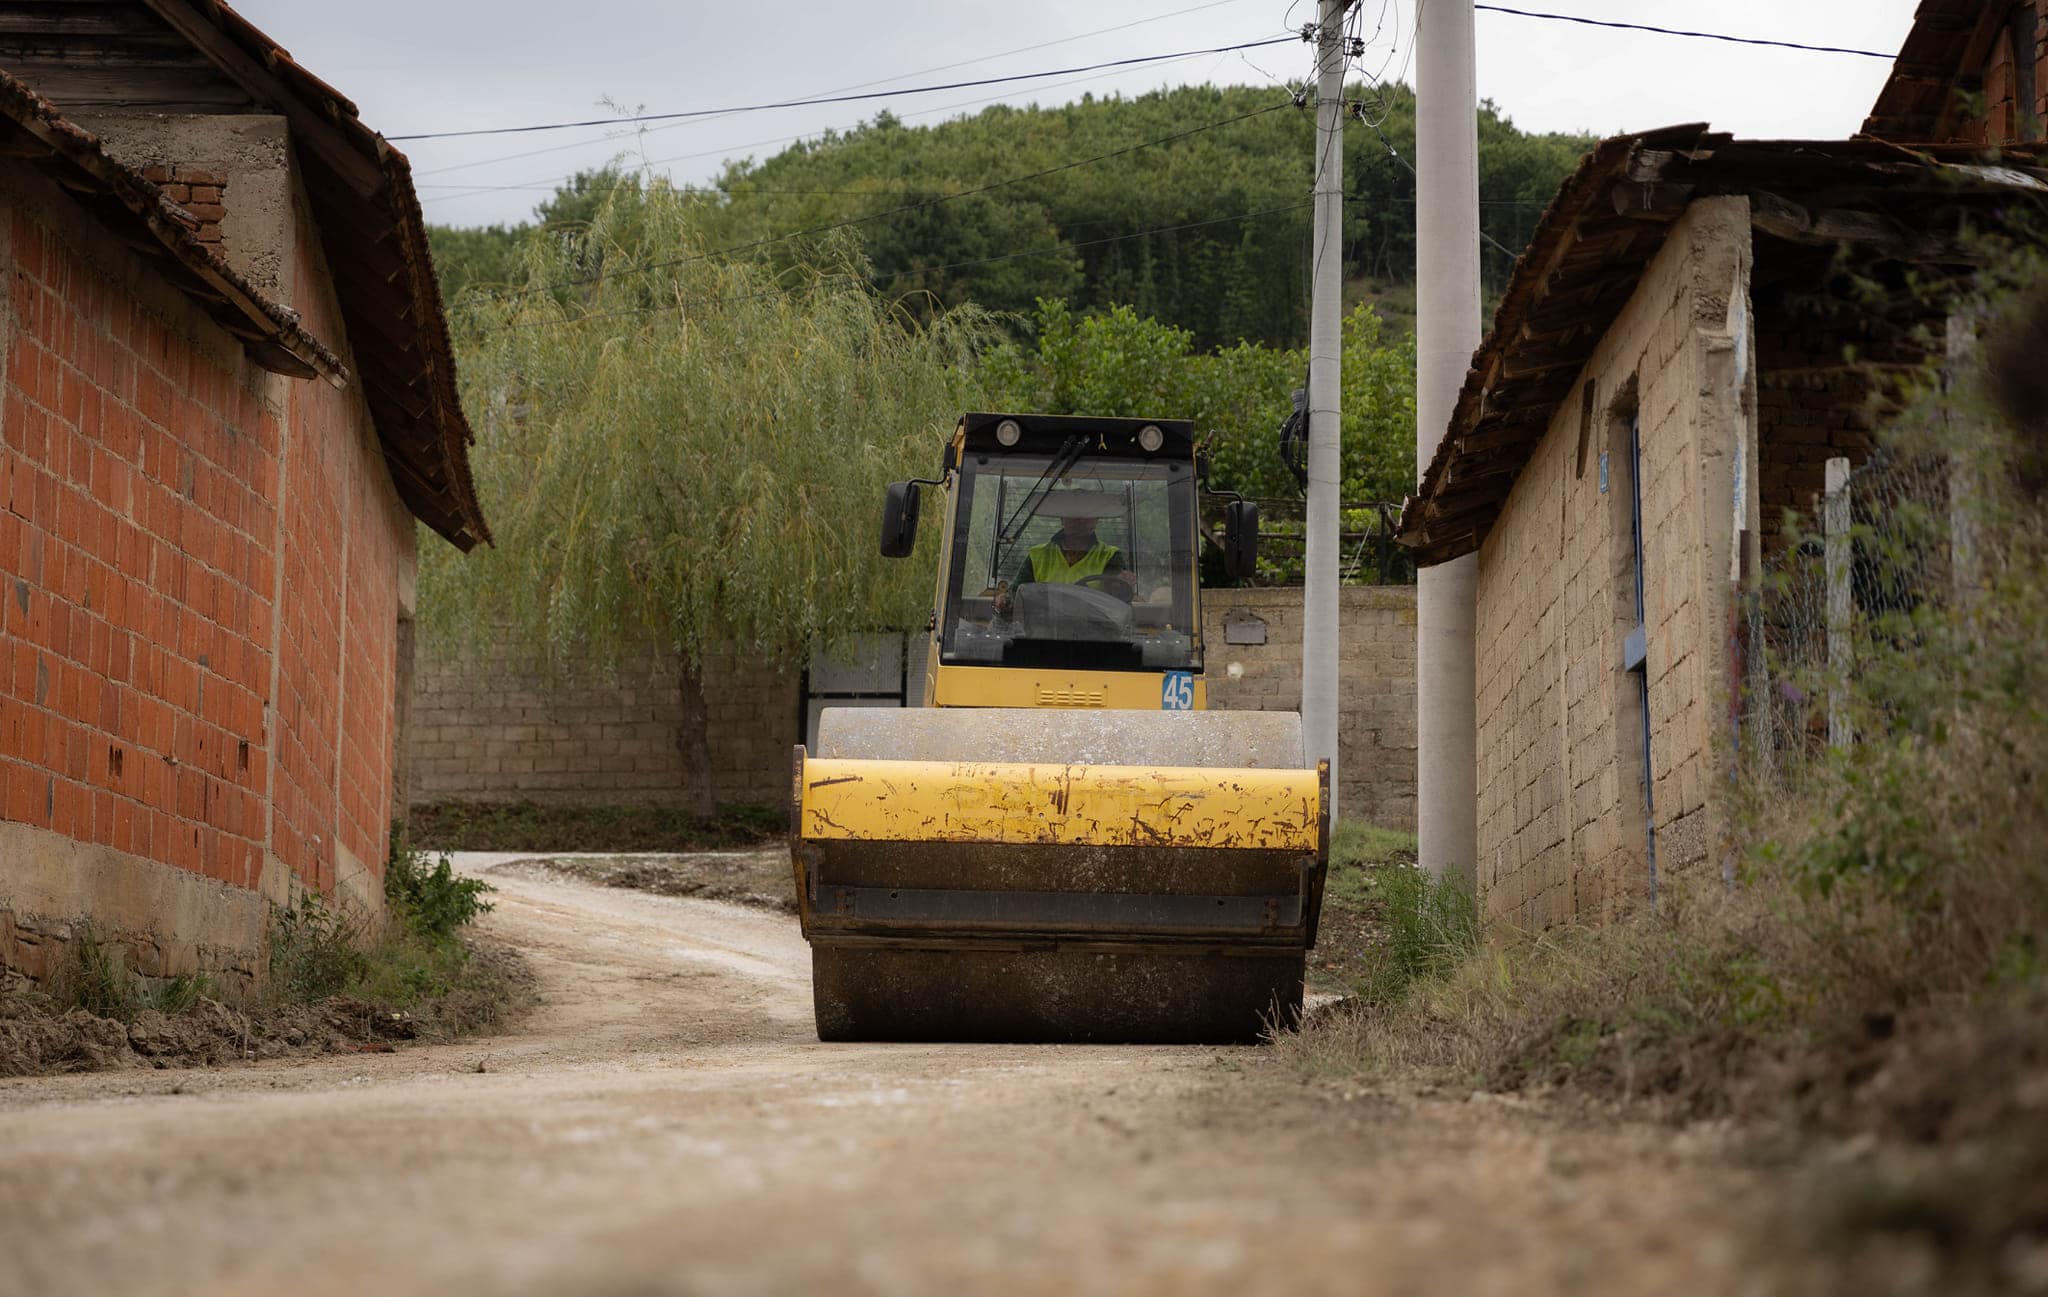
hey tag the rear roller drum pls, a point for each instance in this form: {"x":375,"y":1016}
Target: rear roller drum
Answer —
{"x":1069,"y":994}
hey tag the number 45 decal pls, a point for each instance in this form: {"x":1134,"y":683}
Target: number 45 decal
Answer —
{"x":1177,"y":692}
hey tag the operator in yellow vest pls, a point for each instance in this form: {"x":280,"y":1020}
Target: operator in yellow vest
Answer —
{"x":1076,"y":556}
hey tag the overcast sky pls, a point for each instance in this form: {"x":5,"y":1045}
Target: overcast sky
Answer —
{"x":438,"y":65}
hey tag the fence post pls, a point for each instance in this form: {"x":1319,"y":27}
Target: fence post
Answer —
{"x":1965,"y":566}
{"x":1841,"y":599}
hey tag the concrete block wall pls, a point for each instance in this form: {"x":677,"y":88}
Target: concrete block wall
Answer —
{"x":1562,"y":824}
{"x":1375,"y":683}
{"x":497,"y":728}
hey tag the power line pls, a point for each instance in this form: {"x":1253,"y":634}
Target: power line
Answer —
{"x":839,"y":99}
{"x":1673,"y":31}
{"x":982,"y":58}
{"x":725,"y":150}
{"x":933,"y":202}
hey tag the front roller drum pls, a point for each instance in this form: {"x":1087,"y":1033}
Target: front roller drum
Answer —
{"x":1066,"y":993}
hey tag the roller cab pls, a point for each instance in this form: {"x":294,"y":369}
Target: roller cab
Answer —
{"x":1063,"y":844}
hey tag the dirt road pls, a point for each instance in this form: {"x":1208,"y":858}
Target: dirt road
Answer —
{"x":665,"y":1122}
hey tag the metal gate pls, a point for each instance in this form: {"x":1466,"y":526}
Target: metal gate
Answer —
{"x":870,"y":670}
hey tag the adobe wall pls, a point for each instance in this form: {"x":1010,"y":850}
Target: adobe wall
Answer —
{"x":185,"y":540}
{"x":1561,"y":814}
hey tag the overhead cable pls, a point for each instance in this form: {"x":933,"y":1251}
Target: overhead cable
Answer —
{"x":1137,"y":61}
{"x":1673,"y":31}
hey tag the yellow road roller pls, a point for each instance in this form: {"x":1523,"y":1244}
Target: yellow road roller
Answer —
{"x":1062,"y":843}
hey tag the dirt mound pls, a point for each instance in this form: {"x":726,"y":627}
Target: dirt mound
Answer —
{"x":40,"y":1044}
{"x":39,"y":1037}
{"x":760,"y":878}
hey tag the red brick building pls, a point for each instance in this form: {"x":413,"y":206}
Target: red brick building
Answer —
{"x":1970,"y":72}
{"x":226,"y":395}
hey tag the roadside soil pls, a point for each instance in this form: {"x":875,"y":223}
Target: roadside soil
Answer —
{"x":38,"y":1038}
{"x":665,"y":1121}
{"x":759,"y":876}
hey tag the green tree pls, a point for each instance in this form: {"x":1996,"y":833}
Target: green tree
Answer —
{"x":1118,"y":362}
{"x":693,"y":455}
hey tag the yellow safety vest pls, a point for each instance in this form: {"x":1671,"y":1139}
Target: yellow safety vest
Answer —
{"x":1049,"y":562}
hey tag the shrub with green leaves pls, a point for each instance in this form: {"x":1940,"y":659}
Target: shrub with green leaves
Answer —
{"x":430,"y":898}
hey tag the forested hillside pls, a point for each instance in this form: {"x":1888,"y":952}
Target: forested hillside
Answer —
{"x":1195,"y":213}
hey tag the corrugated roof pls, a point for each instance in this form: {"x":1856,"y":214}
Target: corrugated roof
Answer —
{"x":1609,"y":219}
{"x":160,"y":230}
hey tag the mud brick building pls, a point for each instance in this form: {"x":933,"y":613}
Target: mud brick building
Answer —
{"x":1669,"y":370}
{"x":226,"y":395}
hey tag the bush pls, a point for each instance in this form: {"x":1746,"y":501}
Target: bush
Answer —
{"x":317,"y":952}
{"x":430,"y":899}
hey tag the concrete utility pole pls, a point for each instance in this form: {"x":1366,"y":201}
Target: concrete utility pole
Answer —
{"x":1447,"y":333}
{"x":1325,"y":387}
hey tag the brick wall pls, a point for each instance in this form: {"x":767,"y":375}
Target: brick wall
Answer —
{"x":494,"y":728}
{"x":134,"y":546}
{"x":1561,"y":813}
{"x":201,"y":191}
{"x":348,"y":549}
{"x":200,"y":564}
{"x":2003,"y":103}
{"x":1375,"y":685}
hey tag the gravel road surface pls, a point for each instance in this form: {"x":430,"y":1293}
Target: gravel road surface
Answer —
{"x":665,"y":1122}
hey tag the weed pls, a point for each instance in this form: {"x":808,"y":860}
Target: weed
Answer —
{"x":430,"y":899}
{"x":1429,"y":926}
{"x":174,"y":995}
{"x":315,"y":951}
{"x":99,"y":980}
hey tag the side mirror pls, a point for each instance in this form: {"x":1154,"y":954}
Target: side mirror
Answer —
{"x":1240,"y":539}
{"x":899,"y":520}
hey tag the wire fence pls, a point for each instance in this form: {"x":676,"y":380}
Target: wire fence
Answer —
{"x":1367,"y":551}
{"x":1851,"y":582}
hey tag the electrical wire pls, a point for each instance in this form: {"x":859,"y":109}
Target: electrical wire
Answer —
{"x":1137,"y":61}
{"x":863,"y":85}
{"x":1673,"y":31}
{"x":724,"y":150}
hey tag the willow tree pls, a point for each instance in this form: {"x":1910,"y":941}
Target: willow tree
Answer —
{"x":678,"y":448}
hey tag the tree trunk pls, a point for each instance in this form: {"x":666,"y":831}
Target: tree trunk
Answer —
{"x":693,"y":742}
